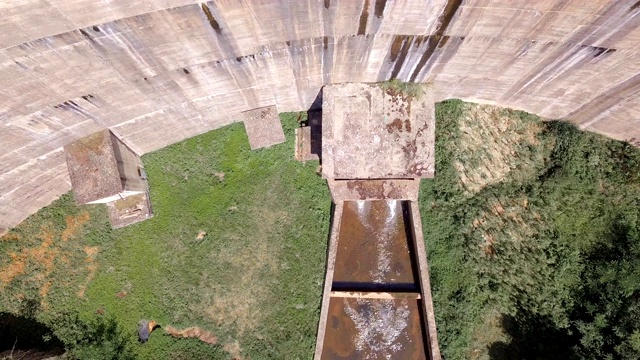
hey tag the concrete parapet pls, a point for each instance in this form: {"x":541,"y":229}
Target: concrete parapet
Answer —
{"x":377,"y":296}
{"x":103,"y":170}
{"x":336,"y":220}
{"x":129,"y":210}
{"x":425,"y":282}
{"x":303,"y":145}
{"x":369,"y":132}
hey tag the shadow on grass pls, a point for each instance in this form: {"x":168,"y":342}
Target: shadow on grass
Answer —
{"x":25,"y":337}
{"x":532,"y":337}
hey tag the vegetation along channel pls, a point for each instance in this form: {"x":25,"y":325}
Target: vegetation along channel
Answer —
{"x":532,"y":232}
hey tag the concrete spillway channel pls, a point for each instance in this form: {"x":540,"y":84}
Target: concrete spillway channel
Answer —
{"x":377,"y":299}
{"x":376,"y":145}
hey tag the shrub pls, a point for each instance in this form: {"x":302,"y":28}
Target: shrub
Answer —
{"x":100,"y":338}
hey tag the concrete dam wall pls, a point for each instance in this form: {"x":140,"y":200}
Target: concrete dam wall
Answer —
{"x":157,"y":72}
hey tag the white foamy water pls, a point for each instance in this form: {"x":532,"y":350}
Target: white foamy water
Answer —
{"x":383,"y":233}
{"x":379,"y":324}
{"x":363,"y":206}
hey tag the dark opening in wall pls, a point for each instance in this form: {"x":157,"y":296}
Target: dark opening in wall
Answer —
{"x":364,"y":16}
{"x":597,"y":51}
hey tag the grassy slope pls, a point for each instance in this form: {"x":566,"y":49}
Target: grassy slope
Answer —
{"x":513,"y":260}
{"x":254,"y":280}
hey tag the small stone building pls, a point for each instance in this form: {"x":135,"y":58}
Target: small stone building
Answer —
{"x":104,"y":170}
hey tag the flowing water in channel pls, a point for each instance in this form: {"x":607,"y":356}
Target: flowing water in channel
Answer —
{"x":375,"y":254}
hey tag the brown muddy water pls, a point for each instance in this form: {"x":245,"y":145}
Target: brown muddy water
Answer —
{"x":375,"y":253}
{"x":374,"y":329}
{"x":375,"y":248}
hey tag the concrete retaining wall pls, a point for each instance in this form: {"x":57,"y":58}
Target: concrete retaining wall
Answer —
{"x":158,"y":72}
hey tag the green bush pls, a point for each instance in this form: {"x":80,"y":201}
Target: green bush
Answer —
{"x":553,"y":253}
{"x":99,"y":338}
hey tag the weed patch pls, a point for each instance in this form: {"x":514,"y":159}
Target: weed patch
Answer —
{"x":395,"y":86}
{"x":496,"y":145}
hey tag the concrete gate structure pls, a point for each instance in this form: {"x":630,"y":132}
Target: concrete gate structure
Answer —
{"x":376,"y":146}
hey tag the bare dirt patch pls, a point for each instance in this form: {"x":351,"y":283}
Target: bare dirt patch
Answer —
{"x":495,"y":145}
{"x":15,"y":268}
{"x":192,"y":332}
{"x":10,"y":237}
{"x":505,"y":220}
{"x":47,"y":252}
{"x":233,"y":348}
{"x":488,"y":332}
{"x":505,"y":227}
{"x":74,"y":223}
{"x":42,"y":255}
{"x":239,"y":305}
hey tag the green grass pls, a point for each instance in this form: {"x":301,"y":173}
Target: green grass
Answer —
{"x":538,"y":262}
{"x":536,"y":258}
{"x":255,"y":278}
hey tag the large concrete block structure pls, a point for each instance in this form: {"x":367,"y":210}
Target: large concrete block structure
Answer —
{"x":377,"y":144}
{"x":263,"y":127}
{"x":372,"y":133}
{"x":157,"y":72}
{"x":103,"y":170}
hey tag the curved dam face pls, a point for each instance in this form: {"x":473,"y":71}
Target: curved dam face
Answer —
{"x":157,"y":72}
